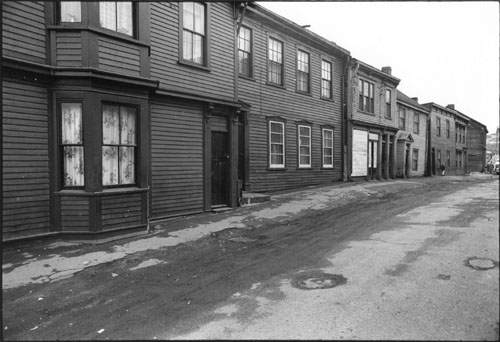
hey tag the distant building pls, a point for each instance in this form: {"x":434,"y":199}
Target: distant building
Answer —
{"x":372,"y":124}
{"x":447,"y":139}
{"x":411,"y":156}
{"x":476,"y":146}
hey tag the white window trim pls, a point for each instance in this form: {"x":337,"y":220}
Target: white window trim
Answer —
{"x":323,"y":148}
{"x":299,"y":146}
{"x":271,"y":165}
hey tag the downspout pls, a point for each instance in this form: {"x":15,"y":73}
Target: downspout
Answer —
{"x":344,"y":92}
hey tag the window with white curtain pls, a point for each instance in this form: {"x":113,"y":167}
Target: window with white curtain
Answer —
{"x":245,"y":51}
{"x":193,"y":32}
{"x":72,"y":144}
{"x":327,"y":148}
{"x":117,"y":16}
{"x":119,"y":144}
{"x":70,"y":11}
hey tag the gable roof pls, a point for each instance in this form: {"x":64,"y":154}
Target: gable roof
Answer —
{"x":405,"y":99}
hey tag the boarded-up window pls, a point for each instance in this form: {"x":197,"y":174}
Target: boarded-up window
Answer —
{"x":359,"y":153}
{"x":119,"y":144}
{"x":276,"y":144}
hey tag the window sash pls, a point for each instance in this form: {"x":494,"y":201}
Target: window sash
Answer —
{"x":72,"y":145}
{"x":366,"y":96}
{"x":275,"y":62}
{"x":327,"y":148}
{"x":447,"y":128}
{"x":415,"y":160}
{"x":244,"y":52}
{"x":304,"y":143}
{"x":402,"y":118}
{"x":70,"y":11}
{"x":388,"y":103}
{"x":276,"y":144}
{"x":193,"y":33}
{"x":326,"y":79}
{"x":117,"y":16}
{"x":416,"y":123}
{"x":119,"y":147}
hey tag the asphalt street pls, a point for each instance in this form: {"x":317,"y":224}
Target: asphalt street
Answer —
{"x":405,"y":259}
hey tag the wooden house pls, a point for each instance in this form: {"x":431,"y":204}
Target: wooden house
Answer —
{"x":447,"y":140}
{"x":371,"y":122}
{"x":291,"y":81}
{"x":476,"y":146}
{"x":411,"y":150}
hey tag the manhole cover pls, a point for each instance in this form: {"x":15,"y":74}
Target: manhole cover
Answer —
{"x":315,"y":280}
{"x":480,"y":263}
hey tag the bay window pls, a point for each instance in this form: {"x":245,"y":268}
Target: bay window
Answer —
{"x":119,"y":145}
{"x":72,"y":145}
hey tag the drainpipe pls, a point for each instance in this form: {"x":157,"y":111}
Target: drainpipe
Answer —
{"x":343,"y":122}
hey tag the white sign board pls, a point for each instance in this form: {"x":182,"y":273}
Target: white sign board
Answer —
{"x":359,"y":153}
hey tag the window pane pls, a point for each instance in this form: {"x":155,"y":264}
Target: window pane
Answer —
{"x":73,"y":166}
{"x":71,"y":11}
{"x":198,"y":49}
{"x":188,"y":16}
{"x":187,"y":46}
{"x":127,"y":162}
{"x":128,"y":126}
{"x":125,"y":21}
{"x":109,"y":165}
{"x":71,"y":123}
{"x":110,"y":125}
{"x":277,"y":159}
{"x":107,"y":14}
{"x":199,"y":18}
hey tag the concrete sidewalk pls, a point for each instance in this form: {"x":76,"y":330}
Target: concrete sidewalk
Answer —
{"x":50,"y":261}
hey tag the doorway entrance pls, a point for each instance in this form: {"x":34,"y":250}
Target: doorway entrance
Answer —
{"x":220,"y":168}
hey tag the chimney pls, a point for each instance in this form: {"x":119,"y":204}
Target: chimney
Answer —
{"x":451,"y":106}
{"x":387,"y":70}
{"x":415,"y":99}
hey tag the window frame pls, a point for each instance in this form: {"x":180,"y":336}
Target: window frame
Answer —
{"x":299,"y":72}
{"x":205,"y":65}
{"x":119,"y":145}
{"x":438,"y":126}
{"x":448,"y":129}
{"x":62,"y":146}
{"x":448,"y":158}
{"x":388,"y":104}
{"x":269,"y":61}
{"x":402,"y":119}
{"x":370,"y":98}
{"x":414,"y":161}
{"x":438,"y":157}
{"x":250,"y":53}
{"x":282,"y":123}
{"x":323,"y":80}
{"x":134,"y":29}
{"x":59,"y":14}
{"x":323,"y":155}
{"x":416,"y":122}
{"x":299,"y":145}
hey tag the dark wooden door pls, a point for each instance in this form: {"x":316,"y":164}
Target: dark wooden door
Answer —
{"x":220,"y":168}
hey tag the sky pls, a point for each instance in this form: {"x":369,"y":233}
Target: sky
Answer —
{"x":443,"y":52}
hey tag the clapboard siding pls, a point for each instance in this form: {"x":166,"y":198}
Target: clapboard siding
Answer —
{"x":118,"y":57}
{"x":219,"y":81}
{"x":69,"y":49}
{"x":121,"y":211}
{"x":25,"y":160}
{"x":74,"y":214}
{"x":176,"y":159}
{"x":23,"y":30}
{"x":267,"y":100}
